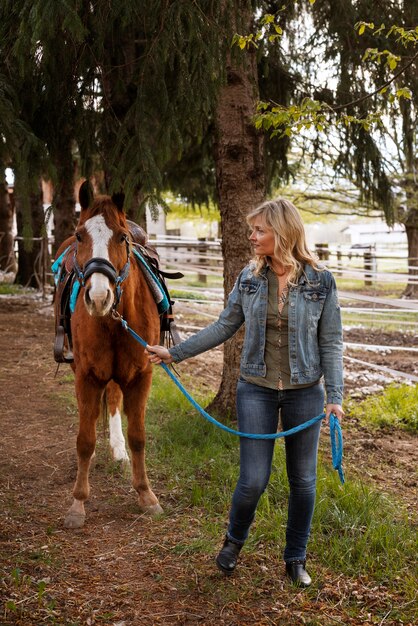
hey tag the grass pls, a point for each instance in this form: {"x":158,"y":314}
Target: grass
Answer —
{"x":391,"y":322}
{"x":180,"y":293}
{"x":7,"y":289}
{"x":190,"y":280}
{"x":395,"y":407}
{"x":360,"y":531}
{"x":379,"y":289}
{"x":356,"y":530}
{"x":31,"y":588}
{"x":361,"y":539}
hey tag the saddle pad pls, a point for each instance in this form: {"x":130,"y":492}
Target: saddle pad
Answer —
{"x":56,"y":266}
{"x":154,"y":284}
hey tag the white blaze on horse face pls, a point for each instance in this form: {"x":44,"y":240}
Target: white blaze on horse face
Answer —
{"x":100,"y":292}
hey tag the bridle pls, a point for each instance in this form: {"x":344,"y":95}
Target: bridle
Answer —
{"x":99,"y":265}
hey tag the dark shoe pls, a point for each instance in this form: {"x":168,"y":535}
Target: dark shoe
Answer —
{"x":228,"y":556}
{"x":297,"y":573}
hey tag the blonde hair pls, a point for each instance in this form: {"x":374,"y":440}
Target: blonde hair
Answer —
{"x":289,"y":234}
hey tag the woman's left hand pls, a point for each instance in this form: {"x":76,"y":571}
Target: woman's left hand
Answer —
{"x":337,"y":409}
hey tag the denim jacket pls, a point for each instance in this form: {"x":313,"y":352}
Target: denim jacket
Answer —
{"x":315,"y":329}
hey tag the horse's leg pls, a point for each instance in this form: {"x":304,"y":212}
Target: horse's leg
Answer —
{"x":117,"y":440}
{"x":89,"y":398}
{"x":135,"y":398}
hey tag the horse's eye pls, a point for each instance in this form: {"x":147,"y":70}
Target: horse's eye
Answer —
{"x":123,"y":238}
{"x":78,"y":236}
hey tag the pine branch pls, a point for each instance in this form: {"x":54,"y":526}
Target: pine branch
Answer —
{"x":376,"y":91}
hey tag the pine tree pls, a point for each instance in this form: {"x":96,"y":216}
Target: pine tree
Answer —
{"x":137,"y":91}
{"x":22,"y":147}
{"x":240,"y":182}
{"x":50,"y":51}
{"x":382,"y":161}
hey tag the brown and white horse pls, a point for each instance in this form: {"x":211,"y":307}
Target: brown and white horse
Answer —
{"x":105,"y":356}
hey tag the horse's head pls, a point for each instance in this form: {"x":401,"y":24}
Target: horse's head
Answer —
{"x":102,"y":252}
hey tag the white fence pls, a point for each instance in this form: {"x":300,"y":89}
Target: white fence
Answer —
{"x":359,"y":266}
{"x":363,"y":263}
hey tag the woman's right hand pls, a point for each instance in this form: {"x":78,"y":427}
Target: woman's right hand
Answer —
{"x":158,"y":354}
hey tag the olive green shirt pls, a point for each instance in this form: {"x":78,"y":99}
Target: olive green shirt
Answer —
{"x":276,"y":355}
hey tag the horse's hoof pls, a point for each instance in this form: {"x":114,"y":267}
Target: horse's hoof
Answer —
{"x":74,"y":520}
{"x":153,"y":510}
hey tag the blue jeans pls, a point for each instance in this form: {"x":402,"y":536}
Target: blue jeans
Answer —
{"x":258,"y":412}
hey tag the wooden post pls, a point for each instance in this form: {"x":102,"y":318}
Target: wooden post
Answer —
{"x":322,"y":251}
{"x":175,"y":232}
{"x":339,"y":257}
{"x":202,"y":247}
{"x":369,"y":263}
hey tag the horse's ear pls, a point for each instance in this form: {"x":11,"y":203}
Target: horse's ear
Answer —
{"x":85,"y":195}
{"x":118,"y":199}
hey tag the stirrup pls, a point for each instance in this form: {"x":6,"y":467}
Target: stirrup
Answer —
{"x":59,"y":355}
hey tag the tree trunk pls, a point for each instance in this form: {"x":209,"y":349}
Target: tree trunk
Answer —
{"x":64,"y":200}
{"x":136,"y":210}
{"x":240,"y":186}
{"x":30,"y":230}
{"x":119,"y":90}
{"x":411,"y":228}
{"x":7,"y":256}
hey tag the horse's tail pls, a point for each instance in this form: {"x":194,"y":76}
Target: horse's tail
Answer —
{"x":111,"y":402}
{"x":104,"y":412}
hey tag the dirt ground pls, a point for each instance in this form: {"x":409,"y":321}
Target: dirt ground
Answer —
{"x":123,"y":568}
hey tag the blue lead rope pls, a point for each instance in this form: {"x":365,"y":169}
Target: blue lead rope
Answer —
{"x":334,"y":424}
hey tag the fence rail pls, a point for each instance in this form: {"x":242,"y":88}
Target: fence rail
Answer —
{"x":374,"y":267}
{"x":365,"y":264}
{"x":203,"y":257}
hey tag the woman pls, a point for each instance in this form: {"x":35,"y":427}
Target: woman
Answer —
{"x":293,"y":336}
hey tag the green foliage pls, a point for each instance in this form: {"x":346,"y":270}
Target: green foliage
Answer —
{"x":281,"y":120}
{"x":131,"y":90}
{"x":178,"y":208}
{"x":269,"y":29}
{"x":382,"y":56}
{"x":396,"y":407}
{"x":127,"y":89}
{"x":374,"y":93}
{"x":361,"y":27}
{"x":311,"y":114}
{"x":7,"y":289}
{"x":402,"y":35}
{"x":178,"y":293}
{"x":25,"y":585}
{"x":159,"y":104}
{"x":358,"y":541}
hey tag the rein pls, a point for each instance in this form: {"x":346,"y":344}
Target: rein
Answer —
{"x":335,"y":426}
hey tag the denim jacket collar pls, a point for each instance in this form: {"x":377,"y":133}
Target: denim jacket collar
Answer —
{"x":308,"y":275}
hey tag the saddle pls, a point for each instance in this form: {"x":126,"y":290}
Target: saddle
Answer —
{"x":64,"y":280}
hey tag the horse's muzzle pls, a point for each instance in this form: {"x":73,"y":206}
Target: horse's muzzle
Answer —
{"x":98,"y":297}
